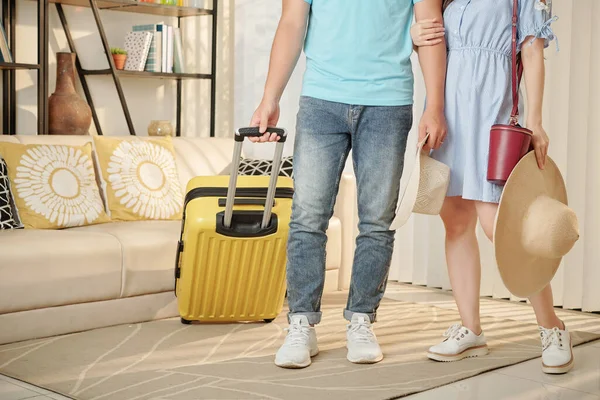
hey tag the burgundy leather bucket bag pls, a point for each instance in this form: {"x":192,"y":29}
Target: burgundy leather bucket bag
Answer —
{"x":509,"y":143}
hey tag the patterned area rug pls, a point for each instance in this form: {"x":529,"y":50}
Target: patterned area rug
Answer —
{"x":168,"y":360}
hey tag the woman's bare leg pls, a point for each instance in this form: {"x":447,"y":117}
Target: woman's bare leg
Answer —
{"x":462,"y":256}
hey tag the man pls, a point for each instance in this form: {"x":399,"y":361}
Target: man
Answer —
{"x":357,"y":93}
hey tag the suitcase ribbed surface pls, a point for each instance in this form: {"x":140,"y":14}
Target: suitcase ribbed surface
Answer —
{"x":236,"y":279}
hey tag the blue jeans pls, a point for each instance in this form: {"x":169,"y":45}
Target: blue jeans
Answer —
{"x":325,"y":133}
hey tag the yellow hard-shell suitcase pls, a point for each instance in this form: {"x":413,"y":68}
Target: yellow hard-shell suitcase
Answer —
{"x":231,"y":256}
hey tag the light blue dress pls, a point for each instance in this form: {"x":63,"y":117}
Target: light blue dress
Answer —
{"x":478,"y":84}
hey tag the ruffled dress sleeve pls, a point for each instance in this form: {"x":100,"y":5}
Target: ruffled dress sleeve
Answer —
{"x":535,"y":20}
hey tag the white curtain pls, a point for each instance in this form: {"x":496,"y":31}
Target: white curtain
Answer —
{"x":571,"y":118}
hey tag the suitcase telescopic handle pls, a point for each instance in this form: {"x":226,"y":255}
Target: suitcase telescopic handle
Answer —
{"x":240,"y":135}
{"x":243,"y":133}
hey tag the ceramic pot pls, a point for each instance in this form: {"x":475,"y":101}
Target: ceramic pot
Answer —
{"x":68,"y":113}
{"x":119,"y":60}
{"x":160,"y":128}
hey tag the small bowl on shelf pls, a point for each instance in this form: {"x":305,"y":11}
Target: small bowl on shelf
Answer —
{"x":160,"y":128}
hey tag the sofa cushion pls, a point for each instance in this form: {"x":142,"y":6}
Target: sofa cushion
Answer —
{"x":334,"y":244}
{"x":44,"y":268}
{"x":258,"y":167}
{"x":9,"y":217}
{"x":149,"y":249}
{"x":140,"y":178}
{"x":54,"y":186}
{"x":201,"y":156}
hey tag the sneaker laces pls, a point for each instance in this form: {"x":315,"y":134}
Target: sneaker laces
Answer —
{"x":361,"y":331}
{"x":550,"y":337}
{"x":453,"y":331}
{"x":297,"y":335}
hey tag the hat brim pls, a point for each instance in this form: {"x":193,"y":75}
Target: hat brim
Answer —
{"x":408,"y":197}
{"x":523,"y":274}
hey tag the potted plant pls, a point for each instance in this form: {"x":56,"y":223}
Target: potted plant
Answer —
{"x":119,"y":56}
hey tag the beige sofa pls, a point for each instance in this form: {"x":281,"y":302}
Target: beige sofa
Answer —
{"x":60,"y":281}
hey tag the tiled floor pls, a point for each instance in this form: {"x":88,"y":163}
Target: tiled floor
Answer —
{"x":11,"y":389}
{"x":518,"y":382}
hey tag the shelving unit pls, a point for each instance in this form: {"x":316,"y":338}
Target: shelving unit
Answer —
{"x":9,"y":88}
{"x":140,"y":8}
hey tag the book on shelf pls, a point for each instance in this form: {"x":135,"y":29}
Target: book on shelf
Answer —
{"x":169,"y":48}
{"x":165,"y":47}
{"x":165,"y":52}
{"x":137,"y":45}
{"x":154,"y":60}
{"x":178,"y":66}
{"x":5,"y":54}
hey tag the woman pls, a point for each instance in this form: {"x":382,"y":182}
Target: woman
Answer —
{"x":478,"y":95}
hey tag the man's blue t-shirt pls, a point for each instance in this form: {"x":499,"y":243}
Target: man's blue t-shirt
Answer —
{"x":358,"y":52}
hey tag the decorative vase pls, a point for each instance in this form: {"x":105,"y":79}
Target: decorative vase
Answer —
{"x":119,"y":60}
{"x":160,"y":128}
{"x":68,"y":114}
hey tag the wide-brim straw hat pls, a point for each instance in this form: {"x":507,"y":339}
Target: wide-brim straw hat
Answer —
{"x":534,"y":227}
{"x":427,"y":185}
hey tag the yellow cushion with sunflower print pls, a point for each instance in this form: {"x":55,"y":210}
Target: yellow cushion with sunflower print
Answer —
{"x":54,"y":186}
{"x":140,"y":178}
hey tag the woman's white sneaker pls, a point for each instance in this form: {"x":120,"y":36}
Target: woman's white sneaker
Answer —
{"x":557,"y":350}
{"x":299,"y":346}
{"x":460,"y":343}
{"x":362,"y":342}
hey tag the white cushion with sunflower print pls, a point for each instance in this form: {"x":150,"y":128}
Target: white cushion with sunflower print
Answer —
{"x":54,"y":186}
{"x":140,"y":178}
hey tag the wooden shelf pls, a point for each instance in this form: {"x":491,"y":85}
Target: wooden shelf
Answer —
{"x":139,"y":7}
{"x":146,"y":74}
{"x":8,"y":66}
{"x":161,"y":75}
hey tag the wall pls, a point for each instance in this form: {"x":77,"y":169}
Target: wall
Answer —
{"x":255,"y":25}
{"x":147,"y":98}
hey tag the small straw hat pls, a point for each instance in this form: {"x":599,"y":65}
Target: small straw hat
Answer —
{"x":426,"y":189}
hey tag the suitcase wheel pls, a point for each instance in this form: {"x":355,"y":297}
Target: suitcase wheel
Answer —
{"x":185,"y":321}
{"x":269,"y":320}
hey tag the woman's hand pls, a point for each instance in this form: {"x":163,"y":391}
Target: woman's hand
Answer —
{"x":427,"y":32}
{"x":433,"y":123}
{"x":540,"y":144}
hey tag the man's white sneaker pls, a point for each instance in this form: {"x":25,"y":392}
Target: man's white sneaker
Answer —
{"x":557,"y":350}
{"x":299,"y":346}
{"x":460,"y":343}
{"x":362,"y":342}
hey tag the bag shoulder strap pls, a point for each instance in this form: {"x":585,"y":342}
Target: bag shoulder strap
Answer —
{"x":517,"y":66}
